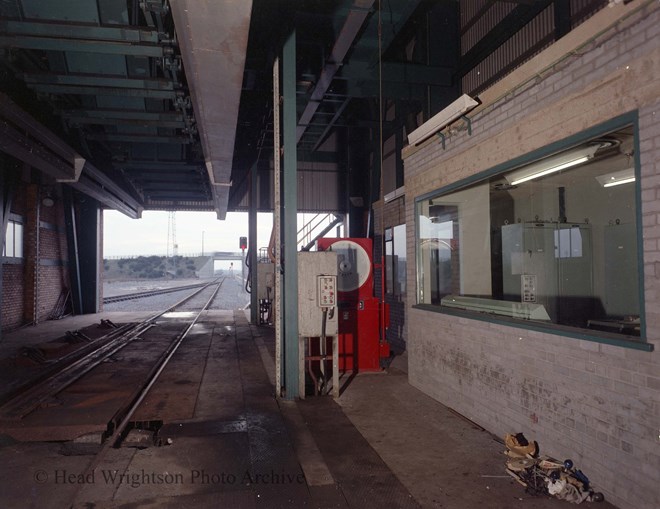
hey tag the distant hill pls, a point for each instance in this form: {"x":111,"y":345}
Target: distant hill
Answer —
{"x":153,"y":267}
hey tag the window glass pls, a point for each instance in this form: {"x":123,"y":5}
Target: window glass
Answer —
{"x":18,"y":240}
{"x":554,"y":241}
{"x":399,"y":259}
{"x":13,"y":247}
{"x":389,"y":261}
{"x":395,"y":259}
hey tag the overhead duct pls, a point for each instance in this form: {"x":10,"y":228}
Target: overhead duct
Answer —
{"x":213,"y":40}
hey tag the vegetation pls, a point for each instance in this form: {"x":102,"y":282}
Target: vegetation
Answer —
{"x":152,"y":267}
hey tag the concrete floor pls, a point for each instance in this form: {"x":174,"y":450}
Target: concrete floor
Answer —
{"x":381,"y":444}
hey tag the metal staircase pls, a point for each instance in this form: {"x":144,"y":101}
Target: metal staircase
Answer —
{"x":315,"y":228}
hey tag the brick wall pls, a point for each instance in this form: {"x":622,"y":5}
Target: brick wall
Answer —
{"x":12,"y":296}
{"x":32,"y":287}
{"x":596,"y":403}
{"x":11,"y":314}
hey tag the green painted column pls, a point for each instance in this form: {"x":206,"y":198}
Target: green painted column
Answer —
{"x":290,"y":186}
{"x":252,"y":244}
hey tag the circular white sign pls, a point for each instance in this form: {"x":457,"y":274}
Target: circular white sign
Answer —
{"x":353,"y":264}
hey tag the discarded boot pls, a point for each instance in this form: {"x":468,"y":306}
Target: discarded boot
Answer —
{"x":518,"y":446}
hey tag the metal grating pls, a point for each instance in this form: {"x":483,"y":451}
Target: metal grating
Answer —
{"x":480,"y":18}
{"x":529,"y":41}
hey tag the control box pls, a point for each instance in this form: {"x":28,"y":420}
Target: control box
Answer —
{"x":317,"y":293}
{"x":327,"y":291}
{"x":266,"y":281}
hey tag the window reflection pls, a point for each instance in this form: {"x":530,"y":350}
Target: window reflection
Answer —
{"x":558,"y":247}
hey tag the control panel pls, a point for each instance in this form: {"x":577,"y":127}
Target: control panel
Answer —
{"x":327,"y":291}
{"x":317,"y":293}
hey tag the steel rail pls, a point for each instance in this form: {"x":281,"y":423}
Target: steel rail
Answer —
{"x":149,"y":293}
{"x":56,"y":366}
{"x":123,"y":416}
{"x":30,"y":399}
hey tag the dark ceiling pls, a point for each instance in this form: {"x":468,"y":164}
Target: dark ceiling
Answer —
{"x":167,"y":104}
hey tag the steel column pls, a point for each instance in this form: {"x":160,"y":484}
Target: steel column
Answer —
{"x":252,"y":243}
{"x":32,"y":253}
{"x":290,"y":186}
{"x":277,"y":224}
{"x":72,"y":245}
{"x":88,"y":253}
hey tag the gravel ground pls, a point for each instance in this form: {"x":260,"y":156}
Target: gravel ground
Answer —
{"x":232,"y":294}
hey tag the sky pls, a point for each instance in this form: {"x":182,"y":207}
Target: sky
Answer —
{"x":123,"y":236}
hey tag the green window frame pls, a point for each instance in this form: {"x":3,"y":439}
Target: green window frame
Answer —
{"x":550,"y":241}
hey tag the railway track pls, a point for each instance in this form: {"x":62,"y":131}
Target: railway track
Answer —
{"x":150,"y":293}
{"x":68,"y":370}
{"x":111,"y":389}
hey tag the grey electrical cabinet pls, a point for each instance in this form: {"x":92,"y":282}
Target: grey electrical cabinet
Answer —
{"x":265,"y":281}
{"x":550,"y":263}
{"x":316,"y":272}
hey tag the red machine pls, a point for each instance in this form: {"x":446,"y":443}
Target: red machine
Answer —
{"x":360,"y":345}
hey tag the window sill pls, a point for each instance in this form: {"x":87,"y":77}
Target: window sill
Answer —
{"x":12,"y":260}
{"x":557,"y":330}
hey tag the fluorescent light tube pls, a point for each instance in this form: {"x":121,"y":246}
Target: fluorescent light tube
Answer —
{"x":550,"y":170}
{"x":617,"y":178}
{"x":552,"y":164}
{"x":619,"y":182}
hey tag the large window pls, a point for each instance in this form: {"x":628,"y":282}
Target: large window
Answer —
{"x":553,"y":242}
{"x":13,"y":247}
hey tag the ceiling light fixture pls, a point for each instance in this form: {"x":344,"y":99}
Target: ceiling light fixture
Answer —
{"x":552,"y":164}
{"x":617,"y":178}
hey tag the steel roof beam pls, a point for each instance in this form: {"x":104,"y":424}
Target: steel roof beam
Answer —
{"x":58,"y":89}
{"x":151,"y":187}
{"x":102,"y":47}
{"x":97,"y":81}
{"x":184,"y":183}
{"x":198,"y":205}
{"x":123,"y":114}
{"x":78,"y":31}
{"x":331,"y":124}
{"x":33,"y":153}
{"x":169,"y":194}
{"x":125,"y":117}
{"x":401,"y":72}
{"x":125,"y":121}
{"x":347,"y":36}
{"x":93,"y":188}
{"x":30,"y":141}
{"x":137,"y":138}
{"x":165,"y":166}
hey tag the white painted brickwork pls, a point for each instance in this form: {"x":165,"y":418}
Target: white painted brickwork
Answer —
{"x":596,"y":403}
